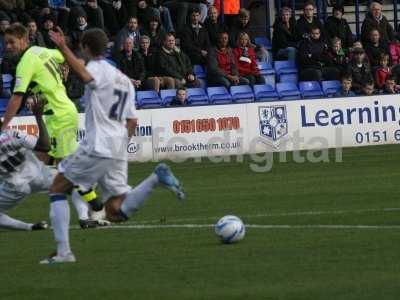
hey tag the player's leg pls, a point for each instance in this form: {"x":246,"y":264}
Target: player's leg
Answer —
{"x":120,"y":208}
{"x":10,"y":223}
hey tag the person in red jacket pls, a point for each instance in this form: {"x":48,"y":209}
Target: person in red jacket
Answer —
{"x":383,"y":71}
{"x":245,"y":57}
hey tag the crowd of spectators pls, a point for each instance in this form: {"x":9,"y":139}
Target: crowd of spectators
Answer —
{"x":156,"y":43}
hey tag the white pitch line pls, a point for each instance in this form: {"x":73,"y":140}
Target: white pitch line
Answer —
{"x":256,"y":226}
{"x":285,"y":214}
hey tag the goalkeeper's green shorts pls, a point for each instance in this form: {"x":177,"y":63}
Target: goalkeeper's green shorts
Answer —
{"x":62,"y":131}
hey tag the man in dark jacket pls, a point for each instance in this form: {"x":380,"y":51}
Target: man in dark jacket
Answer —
{"x":221,"y":65}
{"x":176,"y":64}
{"x":360,"y":70}
{"x":374,"y":48}
{"x":213,"y":25}
{"x":194,"y":39}
{"x":285,"y":39}
{"x":131,"y":29}
{"x":35,"y":36}
{"x":307,"y":21}
{"x":337,"y":26}
{"x":374,"y":19}
{"x":131,"y":63}
{"x":314,"y":61}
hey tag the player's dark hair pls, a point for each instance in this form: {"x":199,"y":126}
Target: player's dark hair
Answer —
{"x":96,"y":40}
{"x":18,"y":30}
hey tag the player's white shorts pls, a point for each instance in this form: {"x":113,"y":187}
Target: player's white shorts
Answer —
{"x":84,"y":170}
{"x":12,"y":194}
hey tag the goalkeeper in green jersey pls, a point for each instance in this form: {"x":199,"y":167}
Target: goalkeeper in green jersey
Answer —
{"x":39,"y":72}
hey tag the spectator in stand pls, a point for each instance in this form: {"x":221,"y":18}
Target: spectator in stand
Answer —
{"x":374,"y":48}
{"x":230,"y":9}
{"x":131,"y":63}
{"x":360,"y":70}
{"x":346,"y":91}
{"x":308,"y":21}
{"x":180,"y":98}
{"x":221,"y":65}
{"x":13,"y":8}
{"x":94,"y":13}
{"x":374,"y":19}
{"x":383,"y":71}
{"x":153,"y":79}
{"x":314,"y":61}
{"x":337,"y":26}
{"x":149,"y":8}
{"x":35,"y":36}
{"x":179,"y":12}
{"x":394,"y":51}
{"x":194,"y":39}
{"x":131,"y":29}
{"x":4,"y":24}
{"x":246,"y":60}
{"x":338,"y":56}
{"x":214,"y":25}
{"x":49,"y":23}
{"x":368,"y":88}
{"x":356,"y":44}
{"x":285,"y":39}
{"x":243,"y":25}
{"x":390,"y":86}
{"x":176,"y":64}
{"x":79,"y":27}
{"x":115,"y":14}
{"x":155,"y":31}
{"x":74,"y":86}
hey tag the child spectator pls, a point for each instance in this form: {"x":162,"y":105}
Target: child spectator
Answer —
{"x":180,"y":98}
{"x":221,"y":65}
{"x":285,"y":39}
{"x":176,"y":64}
{"x":360,"y":70}
{"x":383,"y":71}
{"x":337,"y":26}
{"x":375,"y":47}
{"x":338,"y":56}
{"x":368,"y":88}
{"x":390,"y":86}
{"x":246,"y":60}
{"x":346,"y":91}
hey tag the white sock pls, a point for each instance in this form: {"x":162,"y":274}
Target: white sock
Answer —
{"x":8,"y":222}
{"x":136,"y":197}
{"x":81,"y":206}
{"x":59,"y":216}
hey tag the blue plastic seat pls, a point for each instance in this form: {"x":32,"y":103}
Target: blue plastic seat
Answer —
{"x":219,"y":95}
{"x":265,"y":92}
{"x":310,"y":89}
{"x":148,"y":99}
{"x":7,"y":79}
{"x":288,"y":91}
{"x":199,"y":71}
{"x":263,"y":41}
{"x":197,"y":96}
{"x":167,"y":96}
{"x":3,"y":105}
{"x":286,"y":70}
{"x":242,"y":93}
{"x":268,"y":72}
{"x":331,"y":87}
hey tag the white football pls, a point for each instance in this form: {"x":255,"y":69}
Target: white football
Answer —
{"x":230,"y":229}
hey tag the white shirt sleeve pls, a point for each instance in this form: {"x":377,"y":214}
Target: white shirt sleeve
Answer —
{"x":131,"y":109}
{"x":94,"y":69}
{"x":24,"y":140}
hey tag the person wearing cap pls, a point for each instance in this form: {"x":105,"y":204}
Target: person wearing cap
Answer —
{"x":337,"y":26}
{"x":360,"y":70}
{"x":80,"y":25}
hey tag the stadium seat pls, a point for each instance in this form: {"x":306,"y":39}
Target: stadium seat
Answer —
{"x":267,"y":71}
{"x":265,"y":92}
{"x":167,"y":96}
{"x":203,"y":83}
{"x":331,"y":87}
{"x":263,"y":41}
{"x":286,"y":70}
{"x":310,"y":89}
{"x":7,"y":79}
{"x":197,"y":96}
{"x":199,"y":71}
{"x":288,"y":91}
{"x":148,"y":99}
{"x":219,"y":95}
{"x":242,"y":93}
{"x":3,"y":105}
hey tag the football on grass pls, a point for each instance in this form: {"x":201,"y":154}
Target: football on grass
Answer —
{"x":230,"y":229}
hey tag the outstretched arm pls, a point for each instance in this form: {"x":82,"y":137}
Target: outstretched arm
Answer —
{"x":76,"y":64}
{"x":12,"y":108}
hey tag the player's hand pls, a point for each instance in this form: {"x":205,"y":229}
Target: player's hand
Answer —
{"x":35,"y":104}
{"x":58,"y":38}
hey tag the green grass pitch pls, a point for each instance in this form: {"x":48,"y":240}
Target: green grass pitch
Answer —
{"x":302,"y":260}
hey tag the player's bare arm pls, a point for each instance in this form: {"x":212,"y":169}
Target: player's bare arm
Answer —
{"x":76,"y":64}
{"x":131,"y":125}
{"x":12,"y":108}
